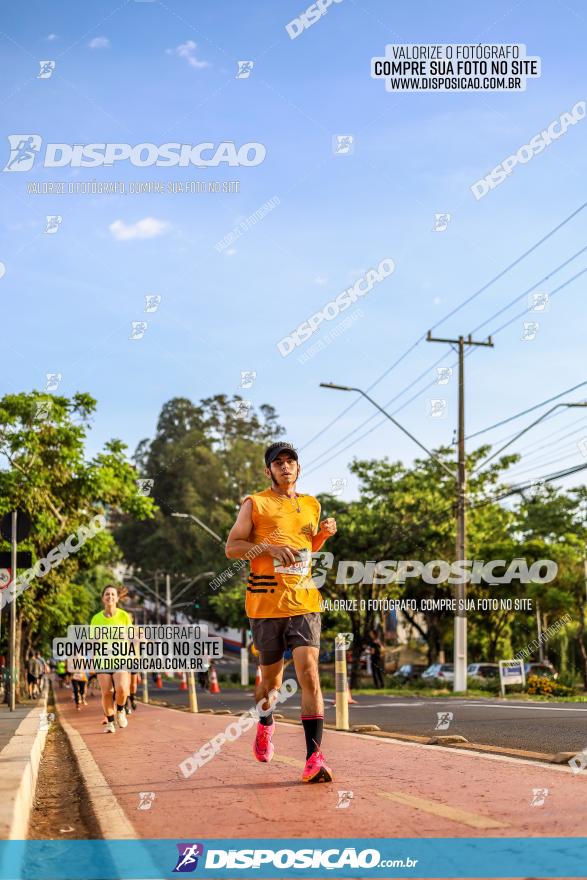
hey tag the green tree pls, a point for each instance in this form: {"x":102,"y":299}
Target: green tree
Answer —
{"x":47,"y":475}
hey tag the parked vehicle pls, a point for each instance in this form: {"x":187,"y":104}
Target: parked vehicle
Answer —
{"x":442,"y":671}
{"x":542,"y":669}
{"x":410,"y":671}
{"x":483,"y":670}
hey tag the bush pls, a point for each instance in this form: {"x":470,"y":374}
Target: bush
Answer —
{"x":548,"y":687}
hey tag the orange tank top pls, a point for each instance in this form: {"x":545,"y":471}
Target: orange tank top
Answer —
{"x":274,"y":590}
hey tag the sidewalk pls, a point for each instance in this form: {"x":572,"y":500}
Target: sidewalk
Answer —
{"x":399,"y":789}
{"x":22,"y":739}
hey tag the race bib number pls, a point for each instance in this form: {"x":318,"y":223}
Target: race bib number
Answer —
{"x":300,"y":567}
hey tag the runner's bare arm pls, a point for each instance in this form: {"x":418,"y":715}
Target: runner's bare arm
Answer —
{"x":326,"y":530}
{"x":238,"y":545}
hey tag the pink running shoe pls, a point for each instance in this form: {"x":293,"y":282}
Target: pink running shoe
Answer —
{"x":263,"y":748}
{"x":316,"y":769}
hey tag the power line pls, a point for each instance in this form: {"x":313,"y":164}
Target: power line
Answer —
{"x":525,"y":412}
{"x":447,"y":316}
{"x":504,"y":421}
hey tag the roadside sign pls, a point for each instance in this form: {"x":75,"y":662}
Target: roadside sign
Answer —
{"x":23,"y":526}
{"x":511,"y":672}
{"x":5,"y":578}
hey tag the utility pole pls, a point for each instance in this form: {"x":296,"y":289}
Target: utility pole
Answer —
{"x":157,"y":617}
{"x":460,"y":636}
{"x":168,"y":597}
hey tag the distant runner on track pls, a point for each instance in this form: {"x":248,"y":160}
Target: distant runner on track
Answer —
{"x":120,"y":681}
{"x":282,"y":601}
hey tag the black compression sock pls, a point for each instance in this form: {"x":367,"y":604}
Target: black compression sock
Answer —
{"x":266,"y":720}
{"x":120,"y":708}
{"x":313,"y":726}
{"x":110,"y":719}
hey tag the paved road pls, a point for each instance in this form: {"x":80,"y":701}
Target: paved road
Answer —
{"x":399,"y":789}
{"x":536,"y":727}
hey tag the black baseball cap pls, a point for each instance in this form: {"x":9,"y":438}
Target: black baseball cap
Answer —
{"x":276,"y":449}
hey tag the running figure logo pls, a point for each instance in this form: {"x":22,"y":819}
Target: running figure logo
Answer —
{"x":444,"y":720}
{"x":539,"y":795}
{"x":441,"y":222}
{"x":343,"y":144}
{"x":344,"y":800}
{"x":138,"y":329}
{"x":23,"y":151}
{"x":244,"y":69}
{"x":152,"y":302}
{"x":146,"y":799}
{"x":47,"y":68}
{"x":189,"y":853}
{"x":52,"y":224}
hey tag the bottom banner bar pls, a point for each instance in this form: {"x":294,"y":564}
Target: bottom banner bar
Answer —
{"x":444,"y":858}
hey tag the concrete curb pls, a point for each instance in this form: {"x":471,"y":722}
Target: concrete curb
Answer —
{"x":109,"y":815}
{"x":19,"y":769}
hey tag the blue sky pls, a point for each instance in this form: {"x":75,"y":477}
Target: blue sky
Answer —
{"x":165,"y":72}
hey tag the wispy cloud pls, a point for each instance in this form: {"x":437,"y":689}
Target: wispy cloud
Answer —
{"x":51,"y":36}
{"x":187,"y":50}
{"x":320,"y":280}
{"x":99,"y":43}
{"x":149,"y":227}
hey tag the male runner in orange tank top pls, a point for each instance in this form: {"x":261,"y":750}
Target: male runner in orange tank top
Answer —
{"x":282,"y":601}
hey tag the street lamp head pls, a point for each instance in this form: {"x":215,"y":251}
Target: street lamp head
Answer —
{"x":336,"y":387}
{"x":182,"y":515}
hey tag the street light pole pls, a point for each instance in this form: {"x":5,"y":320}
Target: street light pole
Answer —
{"x":460,"y":630}
{"x":168,"y":598}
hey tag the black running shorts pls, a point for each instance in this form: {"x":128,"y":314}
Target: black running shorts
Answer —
{"x":273,"y":635}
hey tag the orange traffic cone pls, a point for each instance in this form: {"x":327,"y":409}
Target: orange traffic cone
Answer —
{"x":183,"y":684}
{"x":159,"y":681}
{"x":258,"y":676}
{"x":214,"y":686}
